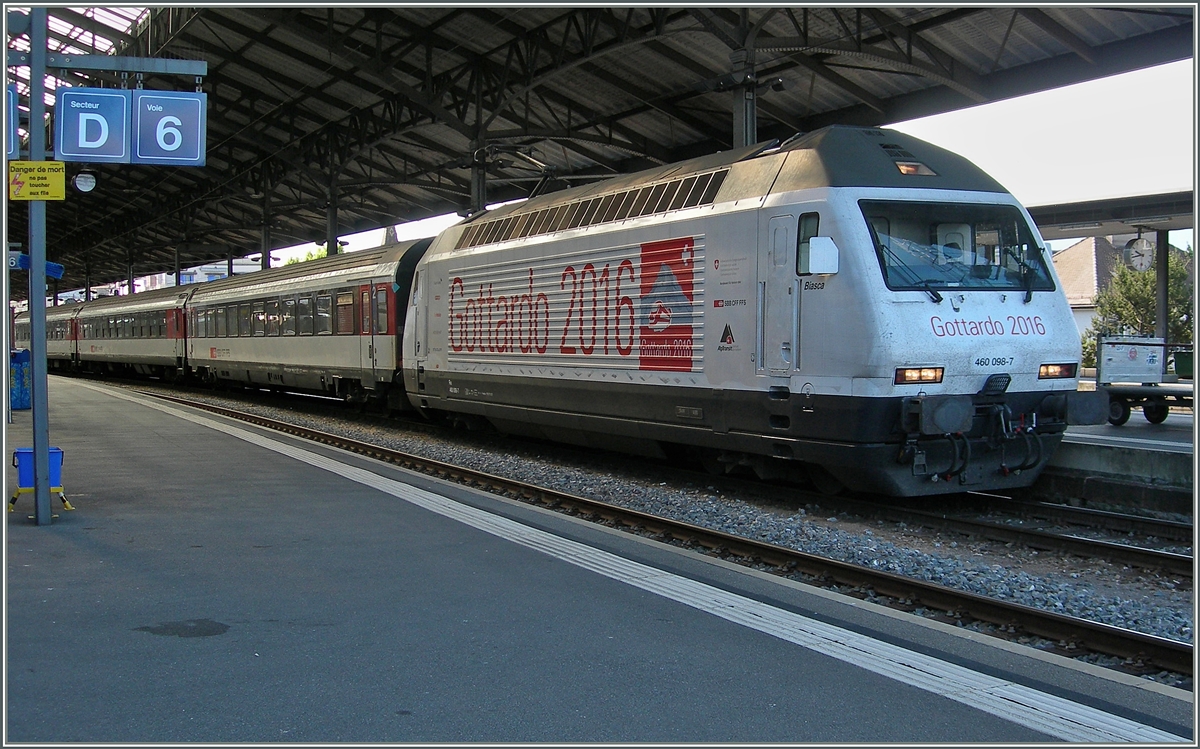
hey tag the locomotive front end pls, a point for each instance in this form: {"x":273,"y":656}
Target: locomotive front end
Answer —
{"x":985,"y":352}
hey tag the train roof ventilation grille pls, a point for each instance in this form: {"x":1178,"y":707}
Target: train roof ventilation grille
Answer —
{"x":644,"y":200}
{"x":895,"y":151}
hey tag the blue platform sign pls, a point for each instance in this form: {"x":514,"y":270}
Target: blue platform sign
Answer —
{"x":12,"y":141}
{"x":169,"y":127}
{"x":92,"y":124}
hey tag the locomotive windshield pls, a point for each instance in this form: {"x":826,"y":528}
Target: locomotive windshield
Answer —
{"x":924,"y":246}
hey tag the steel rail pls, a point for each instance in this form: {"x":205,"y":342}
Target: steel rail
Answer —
{"x":1172,"y":530}
{"x":1136,"y":556}
{"x":1163,"y":653}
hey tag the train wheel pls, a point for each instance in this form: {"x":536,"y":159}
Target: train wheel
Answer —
{"x":1155,"y":410}
{"x":1118,"y":411}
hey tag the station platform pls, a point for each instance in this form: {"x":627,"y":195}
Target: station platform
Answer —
{"x":1145,"y":465}
{"x":222,"y":583}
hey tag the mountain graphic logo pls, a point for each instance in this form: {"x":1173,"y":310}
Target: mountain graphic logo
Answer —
{"x":727,"y":336}
{"x":664,"y":299}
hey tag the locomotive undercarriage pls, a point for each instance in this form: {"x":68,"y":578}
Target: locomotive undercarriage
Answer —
{"x":897,"y":446}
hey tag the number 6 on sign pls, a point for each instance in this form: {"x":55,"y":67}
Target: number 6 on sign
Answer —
{"x":169,"y":127}
{"x":168,"y":130}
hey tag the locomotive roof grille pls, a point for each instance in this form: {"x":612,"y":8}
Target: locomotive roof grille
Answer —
{"x":642,"y":200}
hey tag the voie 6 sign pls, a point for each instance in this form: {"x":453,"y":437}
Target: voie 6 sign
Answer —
{"x":169,"y":127}
{"x":123,"y":127}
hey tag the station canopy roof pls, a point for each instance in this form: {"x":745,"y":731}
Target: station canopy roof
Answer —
{"x":387,"y":108}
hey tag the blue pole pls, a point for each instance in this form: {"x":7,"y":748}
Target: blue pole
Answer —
{"x":37,"y":271}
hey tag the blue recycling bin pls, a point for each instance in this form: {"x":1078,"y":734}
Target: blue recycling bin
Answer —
{"x":20,"y":380}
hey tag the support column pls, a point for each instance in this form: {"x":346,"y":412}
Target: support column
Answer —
{"x":177,"y":267}
{"x":130,"y":279}
{"x":264,"y":240}
{"x":331,"y":246}
{"x":87,"y":282}
{"x":745,"y":98}
{"x":229,"y":272}
{"x":479,"y":155}
{"x":37,"y":272}
{"x":1162,"y":250}
{"x":55,"y":286}
{"x":478,"y":175}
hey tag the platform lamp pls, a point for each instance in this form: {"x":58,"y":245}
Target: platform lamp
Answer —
{"x":84,"y":181}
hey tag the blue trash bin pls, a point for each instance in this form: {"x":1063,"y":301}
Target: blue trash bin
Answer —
{"x":23,"y":460}
{"x":20,"y":380}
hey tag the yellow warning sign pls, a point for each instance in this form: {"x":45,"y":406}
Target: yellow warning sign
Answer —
{"x":37,"y":180}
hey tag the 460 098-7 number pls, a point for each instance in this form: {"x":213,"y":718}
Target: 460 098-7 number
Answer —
{"x":994,"y":361}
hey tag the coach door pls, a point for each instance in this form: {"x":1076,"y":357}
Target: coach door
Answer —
{"x":366,"y":337}
{"x":777,"y":297}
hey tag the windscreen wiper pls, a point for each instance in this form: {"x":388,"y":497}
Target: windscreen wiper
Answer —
{"x":933,"y":293}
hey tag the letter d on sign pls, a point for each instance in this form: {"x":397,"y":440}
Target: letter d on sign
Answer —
{"x":84,"y":141}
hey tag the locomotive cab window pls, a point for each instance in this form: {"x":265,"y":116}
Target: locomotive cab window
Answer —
{"x":922,"y":246}
{"x":808,"y":227}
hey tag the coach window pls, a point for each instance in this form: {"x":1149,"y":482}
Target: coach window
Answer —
{"x":273,"y":317}
{"x":809,"y":226}
{"x":222,"y":323}
{"x":244,"y":319}
{"x":304,"y":315}
{"x":324,"y":319}
{"x":365,"y":309}
{"x":287,"y":316}
{"x":213,"y":314}
{"x":258,"y":318}
{"x":344,"y":323}
{"x":201,"y":323}
{"x":381,"y":311}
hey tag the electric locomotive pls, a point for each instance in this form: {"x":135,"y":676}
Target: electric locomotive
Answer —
{"x":855,"y":301}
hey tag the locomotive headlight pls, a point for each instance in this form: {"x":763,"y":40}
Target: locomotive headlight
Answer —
{"x":905,"y":375}
{"x":1056,"y":371}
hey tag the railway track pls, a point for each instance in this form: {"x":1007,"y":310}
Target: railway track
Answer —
{"x":1149,"y":651}
{"x":968,"y":514}
{"x":1066,"y":542}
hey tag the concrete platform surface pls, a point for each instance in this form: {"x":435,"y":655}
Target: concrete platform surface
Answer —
{"x":221,"y":583}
